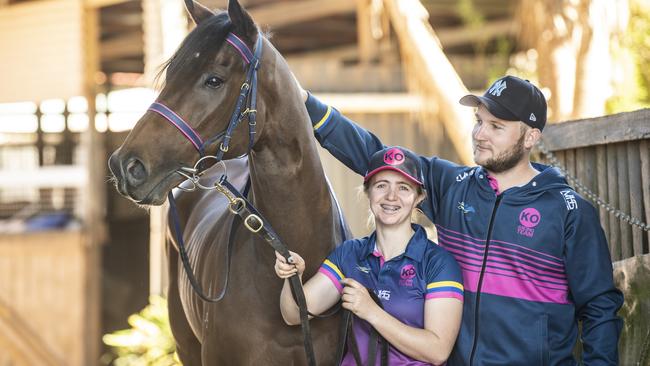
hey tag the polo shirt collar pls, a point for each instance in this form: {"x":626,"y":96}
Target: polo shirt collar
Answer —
{"x":415,"y":248}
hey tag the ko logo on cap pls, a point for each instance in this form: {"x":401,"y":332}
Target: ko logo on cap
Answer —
{"x":394,"y":156}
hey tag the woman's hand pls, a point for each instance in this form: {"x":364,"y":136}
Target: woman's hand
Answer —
{"x":286,"y":270}
{"x":357,"y":299}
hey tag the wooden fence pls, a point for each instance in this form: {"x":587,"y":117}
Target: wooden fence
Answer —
{"x":49,"y":298}
{"x":609,"y":156}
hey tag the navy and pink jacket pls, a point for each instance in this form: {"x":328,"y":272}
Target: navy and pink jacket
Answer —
{"x":534,"y":258}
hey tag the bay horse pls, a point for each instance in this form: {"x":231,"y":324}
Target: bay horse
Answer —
{"x":288,"y":186}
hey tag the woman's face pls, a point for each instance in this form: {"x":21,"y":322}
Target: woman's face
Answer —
{"x":392,"y":198}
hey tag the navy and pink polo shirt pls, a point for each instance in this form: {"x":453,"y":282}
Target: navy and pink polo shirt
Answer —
{"x":424,"y":271}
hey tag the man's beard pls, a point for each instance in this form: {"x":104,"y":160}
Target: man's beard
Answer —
{"x":507,"y":159}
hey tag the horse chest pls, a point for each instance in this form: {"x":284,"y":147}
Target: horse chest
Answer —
{"x":252,"y":293}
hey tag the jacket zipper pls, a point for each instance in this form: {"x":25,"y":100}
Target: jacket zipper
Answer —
{"x":480,"y":280}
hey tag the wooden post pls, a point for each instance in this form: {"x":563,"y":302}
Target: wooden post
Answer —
{"x":158,"y":273}
{"x":65,"y":156}
{"x":368,"y":46}
{"x":644,"y":154}
{"x":636,"y":194}
{"x":560,"y":156}
{"x":601,"y":172}
{"x":40,"y":143}
{"x":570,"y":162}
{"x":612,"y":193}
{"x":623,"y":199}
{"x":165,"y":26}
{"x":95,"y":194}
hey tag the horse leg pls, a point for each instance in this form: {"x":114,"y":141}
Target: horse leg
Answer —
{"x":188,"y":346}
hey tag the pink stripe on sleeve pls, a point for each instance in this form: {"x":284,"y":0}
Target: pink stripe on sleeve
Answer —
{"x":444,"y":295}
{"x":334,"y":280}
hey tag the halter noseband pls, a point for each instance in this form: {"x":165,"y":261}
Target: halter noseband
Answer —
{"x":247,"y":97}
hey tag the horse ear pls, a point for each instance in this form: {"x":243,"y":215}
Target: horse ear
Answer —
{"x":197,"y":11}
{"x":241,"y":20}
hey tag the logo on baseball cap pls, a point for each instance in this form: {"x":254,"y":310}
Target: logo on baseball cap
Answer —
{"x":398,"y":159}
{"x":512,"y":99}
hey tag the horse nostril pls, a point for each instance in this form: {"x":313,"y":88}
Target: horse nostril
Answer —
{"x":135,"y":172}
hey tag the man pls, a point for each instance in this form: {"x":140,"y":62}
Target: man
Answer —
{"x":534,"y":258}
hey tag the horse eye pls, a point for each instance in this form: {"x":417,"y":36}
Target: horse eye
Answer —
{"x":213,"y":82}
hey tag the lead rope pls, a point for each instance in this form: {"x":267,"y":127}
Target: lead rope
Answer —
{"x":257,"y":224}
{"x":346,"y":332}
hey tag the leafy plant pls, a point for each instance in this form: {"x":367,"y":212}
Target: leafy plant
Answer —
{"x":148,"y":342}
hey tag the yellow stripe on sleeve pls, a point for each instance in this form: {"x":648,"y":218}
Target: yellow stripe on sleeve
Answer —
{"x":334,"y":267}
{"x":325,"y":117}
{"x":445,"y":284}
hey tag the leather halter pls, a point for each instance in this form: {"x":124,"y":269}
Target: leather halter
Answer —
{"x":247,"y":96}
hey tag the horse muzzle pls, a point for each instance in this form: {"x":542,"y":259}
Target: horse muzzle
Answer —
{"x":130,"y":175}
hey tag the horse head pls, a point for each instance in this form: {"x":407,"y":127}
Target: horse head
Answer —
{"x":204,"y":80}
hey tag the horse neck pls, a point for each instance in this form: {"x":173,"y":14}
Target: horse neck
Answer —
{"x":287,"y":176}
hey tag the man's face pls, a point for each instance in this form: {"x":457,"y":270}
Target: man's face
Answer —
{"x":498,"y":144}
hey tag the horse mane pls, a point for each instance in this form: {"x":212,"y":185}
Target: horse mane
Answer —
{"x":205,"y":39}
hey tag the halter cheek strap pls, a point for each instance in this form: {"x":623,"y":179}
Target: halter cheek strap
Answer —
{"x":247,"y":97}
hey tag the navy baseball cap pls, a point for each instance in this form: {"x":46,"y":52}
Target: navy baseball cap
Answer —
{"x":398,"y":159}
{"x":512,"y":99}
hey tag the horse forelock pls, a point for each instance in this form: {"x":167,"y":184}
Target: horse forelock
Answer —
{"x":205,"y":40}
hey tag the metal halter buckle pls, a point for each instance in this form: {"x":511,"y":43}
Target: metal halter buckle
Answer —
{"x":249,"y":219}
{"x":236,"y":205}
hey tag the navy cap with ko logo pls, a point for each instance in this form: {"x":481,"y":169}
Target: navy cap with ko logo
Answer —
{"x":398,"y":159}
{"x":512,"y":99}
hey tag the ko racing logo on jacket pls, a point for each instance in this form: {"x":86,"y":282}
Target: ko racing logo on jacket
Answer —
{"x":528,"y":218}
{"x":394,"y":156}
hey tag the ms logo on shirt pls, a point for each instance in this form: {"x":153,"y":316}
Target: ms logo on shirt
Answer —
{"x":383,"y":294}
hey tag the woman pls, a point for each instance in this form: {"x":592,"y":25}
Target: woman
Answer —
{"x":419,"y":283}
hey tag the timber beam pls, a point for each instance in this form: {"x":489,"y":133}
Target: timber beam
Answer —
{"x":277,"y":15}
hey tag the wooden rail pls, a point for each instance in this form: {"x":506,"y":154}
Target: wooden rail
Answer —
{"x":610,"y":156}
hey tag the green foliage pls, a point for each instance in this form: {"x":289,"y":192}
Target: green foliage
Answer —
{"x":634,"y":52}
{"x":473,"y":19}
{"x":148,"y":342}
{"x":640,"y":44}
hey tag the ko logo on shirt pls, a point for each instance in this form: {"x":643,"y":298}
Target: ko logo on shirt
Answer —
{"x":406,"y":274}
{"x":529,"y":217}
{"x":394,"y":156}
